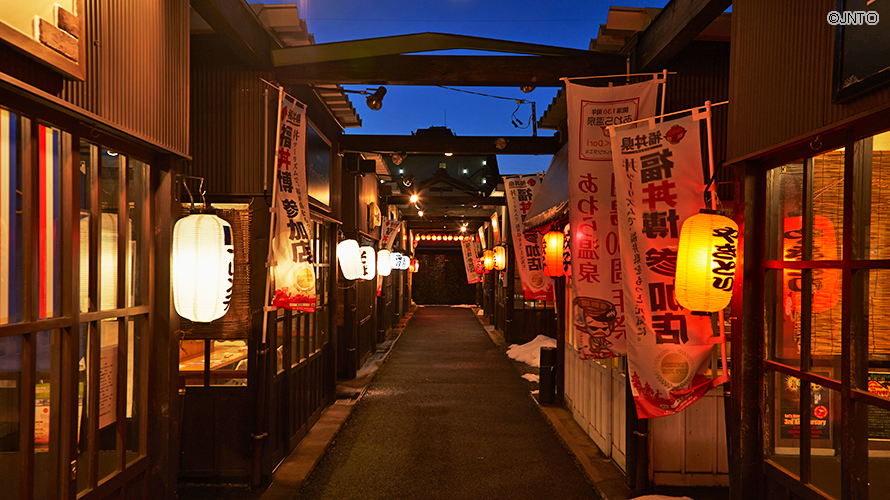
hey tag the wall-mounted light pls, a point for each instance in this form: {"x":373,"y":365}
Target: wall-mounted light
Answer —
{"x":407,"y":180}
{"x":398,"y":158}
{"x":414,"y":198}
{"x":374,"y":98}
{"x":420,"y":213}
{"x":706,"y":261}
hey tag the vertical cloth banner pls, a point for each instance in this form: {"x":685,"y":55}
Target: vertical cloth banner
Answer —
{"x":292,"y":236}
{"x":468,"y":250}
{"x":598,"y":307}
{"x":520,"y":191}
{"x":659,"y":179}
{"x":388,"y":233}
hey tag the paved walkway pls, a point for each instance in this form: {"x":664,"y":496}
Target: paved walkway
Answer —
{"x":446,"y":416}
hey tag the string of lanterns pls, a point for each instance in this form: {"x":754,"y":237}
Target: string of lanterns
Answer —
{"x":363,"y":262}
{"x":442,"y":237}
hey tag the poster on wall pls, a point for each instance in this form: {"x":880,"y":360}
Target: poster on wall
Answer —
{"x":520,"y":191}
{"x":789,"y":408}
{"x":597,"y":273}
{"x":660,"y":183}
{"x":292,"y":237}
{"x":468,"y":250}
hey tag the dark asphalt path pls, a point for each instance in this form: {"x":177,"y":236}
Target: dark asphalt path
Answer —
{"x":446,"y":417}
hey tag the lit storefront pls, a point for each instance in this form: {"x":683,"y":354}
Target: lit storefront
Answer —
{"x":810,"y":356}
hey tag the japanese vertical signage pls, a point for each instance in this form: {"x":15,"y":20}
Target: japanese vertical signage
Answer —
{"x":520,"y":193}
{"x":292,"y":236}
{"x":598,"y":309}
{"x":468,"y":251}
{"x":388,"y":233}
{"x":659,"y":183}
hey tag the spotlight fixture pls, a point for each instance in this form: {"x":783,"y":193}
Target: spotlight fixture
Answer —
{"x":408,"y":180}
{"x":374,"y":99}
{"x":398,"y":158}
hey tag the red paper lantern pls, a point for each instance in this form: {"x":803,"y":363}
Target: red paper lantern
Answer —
{"x":826,"y":282}
{"x":553,"y":253}
{"x":500,"y":258}
{"x":488,"y":260}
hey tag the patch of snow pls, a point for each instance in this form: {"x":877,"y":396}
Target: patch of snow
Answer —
{"x":530,"y":352}
{"x":531,"y":377}
{"x":480,"y":312}
{"x":535,"y":391}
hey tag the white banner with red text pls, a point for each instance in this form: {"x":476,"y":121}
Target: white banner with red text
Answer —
{"x":598,"y":307}
{"x":660,"y":183}
{"x":468,"y":251}
{"x":520,"y":192}
{"x":292,"y":235}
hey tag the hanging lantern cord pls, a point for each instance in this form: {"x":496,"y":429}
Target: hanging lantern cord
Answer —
{"x":707,"y":193}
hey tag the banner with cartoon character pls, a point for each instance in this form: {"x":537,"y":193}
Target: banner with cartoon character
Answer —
{"x":597,"y":274}
{"x":292,"y":235}
{"x":660,"y":183}
{"x":520,"y":191}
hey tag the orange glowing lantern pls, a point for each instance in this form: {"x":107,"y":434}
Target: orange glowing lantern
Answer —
{"x":488,"y":260}
{"x":706,"y":262}
{"x":553,"y":253}
{"x":415,"y":265}
{"x":826,"y":282}
{"x":500,"y":258}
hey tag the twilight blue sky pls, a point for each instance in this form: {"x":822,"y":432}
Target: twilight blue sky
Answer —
{"x":405,"y":109}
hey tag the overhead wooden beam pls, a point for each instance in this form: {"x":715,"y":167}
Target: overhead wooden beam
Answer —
{"x":477,"y":145}
{"x":236,"y":22}
{"x":408,"y":44}
{"x":450,"y":201}
{"x":465,"y":71}
{"x":678,"y":23}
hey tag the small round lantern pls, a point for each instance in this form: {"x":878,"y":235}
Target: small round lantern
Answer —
{"x":202,"y":267}
{"x":415,"y":265}
{"x":488,"y":260}
{"x":384,"y":263}
{"x":349,"y":256}
{"x":500,"y":258}
{"x":368,"y":258}
{"x":706,"y":262}
{"x":480,"y":265}
{"x":553,"y":253}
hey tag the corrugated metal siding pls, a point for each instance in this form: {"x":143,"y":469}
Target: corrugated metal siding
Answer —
{"x":137,"y":69}
{"x":696,"y":83}
{"x":228,"y":129}
{"x":781,"y":65}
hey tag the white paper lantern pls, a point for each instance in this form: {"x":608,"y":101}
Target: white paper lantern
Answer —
{"x":203,"y":267}
{"x":384,"y":263}
{"x":400,"y":261}
{"x":349,"y":256}
{"x":368,"y":258}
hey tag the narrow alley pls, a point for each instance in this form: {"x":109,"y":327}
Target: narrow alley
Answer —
{"x":446,"y":416}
